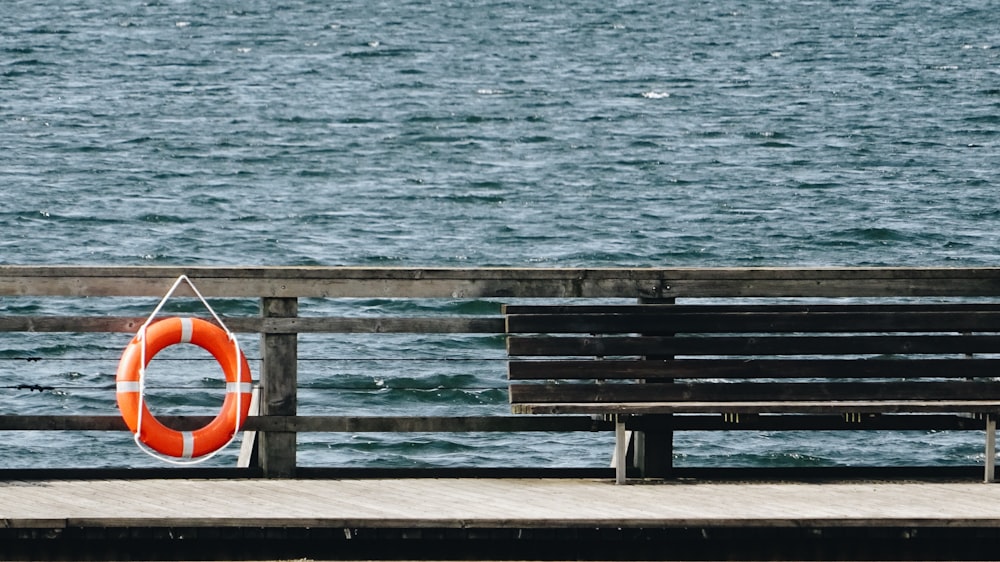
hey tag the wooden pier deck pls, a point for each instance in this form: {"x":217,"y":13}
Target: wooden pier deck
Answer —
{"x":161,"y":519}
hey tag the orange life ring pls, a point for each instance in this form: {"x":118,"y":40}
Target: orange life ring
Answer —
{"x":155,"y":435}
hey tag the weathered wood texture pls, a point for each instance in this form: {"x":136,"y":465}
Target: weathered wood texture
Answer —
{"x":462,"y":424}
{"x":340,"y":424}
{"x":278,"y":389}
{"x":920,"y":356}
{"x":500,"y":503}
{"x":333,"y":282}
{"x":295,"y":325}
{"x":495,"y":519}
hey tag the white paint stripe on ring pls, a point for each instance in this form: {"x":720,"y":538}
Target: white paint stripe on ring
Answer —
{"x":188,"y":451}
{"x":239,"y":387}
{"x":187,"y":329}
{"x":127,"y":386}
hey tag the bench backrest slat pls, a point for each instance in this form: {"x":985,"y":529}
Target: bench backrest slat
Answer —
{"x":755,"y":391}
{"x":750,"y":345}
{"x":582,"y":369}
{"x":518,"y":310}
{"x":844,"y":321}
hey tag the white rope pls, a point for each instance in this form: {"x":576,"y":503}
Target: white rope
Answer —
{"x":187,"y":435}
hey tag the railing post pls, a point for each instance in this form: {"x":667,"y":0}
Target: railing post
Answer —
{"x":653,"y":448}
{"x":278,"y":387}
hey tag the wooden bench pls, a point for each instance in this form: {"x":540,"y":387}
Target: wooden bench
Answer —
{"x":841,"y":359}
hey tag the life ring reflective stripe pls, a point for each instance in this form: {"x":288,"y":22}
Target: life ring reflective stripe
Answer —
{"x":155,"y":435}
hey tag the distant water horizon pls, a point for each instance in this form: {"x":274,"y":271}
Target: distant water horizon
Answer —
{"x":481,"y":133}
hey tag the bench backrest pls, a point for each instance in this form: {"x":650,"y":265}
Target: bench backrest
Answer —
{"x":818,"y":356}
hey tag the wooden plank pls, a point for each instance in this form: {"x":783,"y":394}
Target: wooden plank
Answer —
{"x":321,"y":282}
{"x":354,"y":325}
{"x":443,"y":424}
{"x":840,"y":306}
{"x":835,"y":288}
{"x":378,"y":325}
{"x":395,"y":424}
{"x":502,"y":273}
{"x":301,"y":424}
{"x":669,"y":322}
{"x":278,"y":389}
{"x":750,"y":345}
{"x":70,"y":324}
{"x":764,"y":407}
{"x":332,"y":282}
{"x":610,"y":369}
{"x":532,"y":503}
{"x":755,"y":392}
{"x":814,"y":422}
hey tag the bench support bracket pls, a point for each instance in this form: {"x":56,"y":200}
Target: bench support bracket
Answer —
{"x":991,"y":447}
{"x":621,"y":449}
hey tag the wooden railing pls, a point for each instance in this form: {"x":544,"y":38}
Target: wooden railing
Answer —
{"x":280,"y":291}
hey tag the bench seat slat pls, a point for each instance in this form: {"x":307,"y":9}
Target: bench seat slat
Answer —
{"x":756,"y":392}
{"x":515,"y":310}
{"x":750,"y":345}
{"x":764,"y":407}
{"x":671,"y":322}
{"x":582,"y":369}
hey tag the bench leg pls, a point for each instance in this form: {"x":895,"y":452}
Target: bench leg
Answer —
{"x":991,"y":447}
{"x":621,"y":450}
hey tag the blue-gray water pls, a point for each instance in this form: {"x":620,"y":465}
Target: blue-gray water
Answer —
{"x":480,"y":133}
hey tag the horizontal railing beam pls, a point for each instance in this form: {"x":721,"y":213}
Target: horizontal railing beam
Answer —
{"x":296,"y":325}
{"x":339,"y":282}
{"x":332,"y":424}
{"x":502,"y":424}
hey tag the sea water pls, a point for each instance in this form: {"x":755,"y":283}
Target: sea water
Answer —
{"x":476,"y":133}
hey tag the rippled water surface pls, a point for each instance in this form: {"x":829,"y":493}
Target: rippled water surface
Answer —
{"x":481,"y":133}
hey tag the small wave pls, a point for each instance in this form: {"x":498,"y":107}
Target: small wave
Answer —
{"x":818,"y":185}
{"x":447,"y":139}
{"x":872,"y":234}
{"x":48,"y":31}
{"x":474,"y":119}
{"x":655,"y":95}
{"x":155,"y":218}
{"x":360,"y":121}
{"x":436,"y":382}
{"x":451,"y":397}
{"x":984,"y":120}
{"x":642,"y":164}
{"x":423,"y":307}
{"x":475,"y":199}
{"x":374,"y":51}
{"x":534,"y":139}
{"x":29,"y":62}
{"x":400,"y":450}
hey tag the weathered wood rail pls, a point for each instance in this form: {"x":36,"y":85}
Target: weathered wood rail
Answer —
{"x":279,"y":325}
